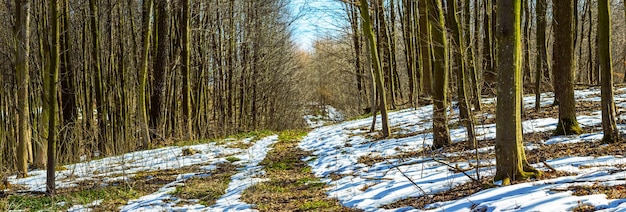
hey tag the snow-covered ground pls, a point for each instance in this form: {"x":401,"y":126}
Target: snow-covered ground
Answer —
{"x":326,"y":114}
{"x":336,"y":150}
{"x":120,"y":168}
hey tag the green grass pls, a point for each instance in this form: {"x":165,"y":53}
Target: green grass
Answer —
{"x":232,"y":159}
{"x":111,"y":196}
{"x":292,"y":135}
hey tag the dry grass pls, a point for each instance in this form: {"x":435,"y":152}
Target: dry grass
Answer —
{"x":292,"y":186}
{"x":611,"y":192}
{"x":207,"y":189}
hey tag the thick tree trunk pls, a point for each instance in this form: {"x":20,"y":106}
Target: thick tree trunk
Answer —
{"x":609,"y":127}
{"x":441,"y":134}
{"x":563,"y":68}
{"x":511,"y":161}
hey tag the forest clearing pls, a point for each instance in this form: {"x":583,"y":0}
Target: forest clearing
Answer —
{"x":384,"y":105}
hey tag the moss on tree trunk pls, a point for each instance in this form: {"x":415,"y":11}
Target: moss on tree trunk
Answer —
{"x":511,"y":163}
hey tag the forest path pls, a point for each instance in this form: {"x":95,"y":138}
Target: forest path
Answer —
{"x":291,"y":186}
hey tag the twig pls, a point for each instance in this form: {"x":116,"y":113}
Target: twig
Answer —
{"x":456,"y":168}
{"x":549,"y":167}
{"x":408,"y":178}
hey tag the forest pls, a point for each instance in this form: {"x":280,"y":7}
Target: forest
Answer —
{"x":400,"y":105}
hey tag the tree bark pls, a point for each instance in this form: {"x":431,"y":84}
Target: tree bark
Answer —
{"x":460,"y":58}
{"x":563,"y":68}
{"x":367,"y":31}
{"x":52,"y":96}
{"x":143,"y":75}
{"x":511,"y":161}
{"x":186,"y":67}
{"x":609,"y":126}
{"x":101,"y":106}
{"x":68,"y":87}
{"x":425,"y":47}
{"x":441,"y":133}
{"x":22,"y":45}
{"x":161,"y":65}
{"x":541,"y":62}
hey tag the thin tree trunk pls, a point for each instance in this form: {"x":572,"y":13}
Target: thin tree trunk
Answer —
{"x":441,"y":134}
{"x":367,"y":31}
{"x":68,"y":87}
{"x":609,"y":126}
{"x":425,"y":48}
{"x":161,"y":65}
{"x":467,"y":119}
{"x":52,"y":96}
{"x":101,"y":106}
{"x":541,"y":50}
{"x":22,"y":45}
{"x":489,"y":72}
{"x":143,"y":75}
{"x":472,"y":44}
{"x":186,"y":67}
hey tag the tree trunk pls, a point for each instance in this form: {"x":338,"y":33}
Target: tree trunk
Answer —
{"x":425,"y":47}
{"x":441,"y":134}
{"x":409,"y":37}
{"x":609,"y":127}
{"x":161,"y":65}
{"x":460,"y":56}
{"x":367,"y":31}
{"x":22,"y":46}
{"x":541,"y":62}
{"x":68,"y":87}
{"x":563,"y":68}
{"x":624,"y":80}
{"x":489,"y":72}
{"x":472,"y":44}
{"x":511,"y":161}
{"x":52,"y":96}
{"x":44,"y":54}
{"x":186,"y":69}
{"x":101,"y":106}
{"x":143,"y":75}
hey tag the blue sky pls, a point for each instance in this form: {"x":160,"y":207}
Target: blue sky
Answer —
{"x":317,"y":18}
